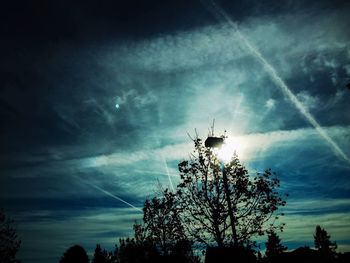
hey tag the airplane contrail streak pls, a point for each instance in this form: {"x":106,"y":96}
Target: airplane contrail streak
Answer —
{"x":167,"y":171}
{"x":219,"y":13}
{"x":113,"y":196}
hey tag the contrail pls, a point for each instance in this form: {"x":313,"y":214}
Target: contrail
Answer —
{"x":165,"y":163}
{"x":167,"y":171}
{"x":219,"y":13}
{"x":113,"y":196}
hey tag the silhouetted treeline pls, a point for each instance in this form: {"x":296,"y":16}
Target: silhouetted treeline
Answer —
{"x":144,"y":249}
{"x":308,"y":255}
{"x":129,"y":251}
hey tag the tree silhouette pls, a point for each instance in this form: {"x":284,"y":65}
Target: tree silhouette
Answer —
{"x":162,"y":223}
{"x":161,"y":237}
{"x":100,"y":256}
{"x":182,"y":252}
{"x":139,"y":249}
{"x":75,"y":254}
{"x":274,"y":248}
{"x":112,"y":256}
{"x":323,"y":243}
{"x":221,"y":204}
{"x":9,"y":241}
{"x":136,"y":250}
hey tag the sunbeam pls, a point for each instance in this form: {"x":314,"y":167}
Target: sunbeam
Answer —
{"x":219,"y":13}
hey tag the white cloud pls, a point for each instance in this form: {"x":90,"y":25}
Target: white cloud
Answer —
{"x":134,"y":97}
{"x":214,"y":45}
{"x":185,"y":50}
{"x":270,"y":104}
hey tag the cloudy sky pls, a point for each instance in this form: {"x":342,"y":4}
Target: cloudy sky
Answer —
{"x":97,"y":99}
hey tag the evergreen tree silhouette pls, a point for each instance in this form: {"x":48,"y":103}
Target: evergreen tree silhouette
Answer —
{"x":323,"y":243}
{"x":100,"y":256}
{"x":274,"y":247}
{"x":9,"y":241}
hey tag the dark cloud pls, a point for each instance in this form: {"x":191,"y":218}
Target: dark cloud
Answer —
{"x":39,"y":22}
{"x":69,"y":203}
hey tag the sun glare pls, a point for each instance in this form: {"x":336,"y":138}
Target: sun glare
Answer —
{"x":227,"y":150}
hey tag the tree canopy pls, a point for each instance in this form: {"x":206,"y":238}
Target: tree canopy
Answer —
{"x":221,"y":203}
{"x":75,"y":254}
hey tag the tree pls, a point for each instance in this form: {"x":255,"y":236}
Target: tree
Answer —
{"x":221,"y":204}
{"x":323,"y":243}
{"x":136,"y":250}
{"x":161,"y":237}
{"x":162,"y":222}
{"x":141,"y":248}
{"x":75,"y":254}
{"x":274,"y":248}
{"x":100,"y":256}
{"x":9,"y":241}
{"x":113,"y":255}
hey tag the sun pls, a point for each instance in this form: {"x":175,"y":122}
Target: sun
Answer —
{"x":229,"y":148}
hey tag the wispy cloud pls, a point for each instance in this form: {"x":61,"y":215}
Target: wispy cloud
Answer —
{"x":76,"y":227}
{"x":300,"y":229}
{"x":317,"y":206}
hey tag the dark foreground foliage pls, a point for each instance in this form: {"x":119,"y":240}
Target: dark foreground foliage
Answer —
{"x":308,"y":255}
{"x":75,"y":254}
{"x":131,"y":252}
{"x":9,"y":241}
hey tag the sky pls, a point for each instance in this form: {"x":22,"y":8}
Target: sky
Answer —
{"x":97,"y":99}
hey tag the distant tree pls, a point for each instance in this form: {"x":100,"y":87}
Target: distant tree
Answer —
{"x":139,"y":249}
{"x":160,"y":238}
{"x":183,"y":252}
{"x":112,"y":256}
{"x":323,"y":243}
{"x":100,"y":256}
{"x":162,"y":222}
{"x":274,"y":247}
{"x":75,"y":254}
{"x":9,"y":241}
{"x":135,"y":250}
{"x":221,"y":204}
